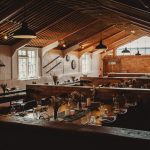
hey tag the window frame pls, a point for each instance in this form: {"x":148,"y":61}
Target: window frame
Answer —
{"x":27,"y":63}
{"x":145,"y":51}
{"x":85,"y":57}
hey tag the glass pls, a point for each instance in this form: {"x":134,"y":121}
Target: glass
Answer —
{"x":36,"y":113}
{"x":92,"y":120}
{"x":13,"y":110}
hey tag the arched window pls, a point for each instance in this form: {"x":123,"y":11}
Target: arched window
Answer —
{"x":142,"y":45}
{"x":86,"y":63}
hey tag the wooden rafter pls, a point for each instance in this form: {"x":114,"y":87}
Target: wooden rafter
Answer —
{"x":75,"y":47}
{"x":125,"y":12}
{"x":19,"y":6}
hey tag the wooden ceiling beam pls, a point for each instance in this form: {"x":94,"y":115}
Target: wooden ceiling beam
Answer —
{"x":45,"y":27}
{"x":88,"y":49}
{"x":48,"y":25}
{"x":120,"y":40}
{"x":98,"y":33}
{"x":82,"y":28}
{"x":125,"y":12}
{"x":128,"y":16}
{"x":75,"y":47}
{"x":19,"y":6}
{"x":144,"y":4}
{"x":132,"y":7}
{"x":118,"y":34}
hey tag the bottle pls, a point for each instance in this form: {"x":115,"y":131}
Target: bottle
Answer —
{"x":88,"y":102}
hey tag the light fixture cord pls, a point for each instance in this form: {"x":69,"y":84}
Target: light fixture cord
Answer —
{"x":24,"y":9}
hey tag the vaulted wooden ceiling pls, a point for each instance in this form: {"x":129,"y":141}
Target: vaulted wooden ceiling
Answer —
{"x":77,"y":22}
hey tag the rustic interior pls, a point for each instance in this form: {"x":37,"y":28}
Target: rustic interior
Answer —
{"x":64,"y":57}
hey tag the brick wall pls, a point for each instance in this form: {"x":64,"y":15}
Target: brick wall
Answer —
{"x":130,"y":64}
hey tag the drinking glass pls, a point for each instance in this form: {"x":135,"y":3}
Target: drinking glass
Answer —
{"x":13,"y":110}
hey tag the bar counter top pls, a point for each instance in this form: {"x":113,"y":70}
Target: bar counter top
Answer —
{"x":124,"y":89}
{"x":114,"y":131}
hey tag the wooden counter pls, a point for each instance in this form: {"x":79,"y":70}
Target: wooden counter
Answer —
{"x":38,"y":91}
{"x":111,"y":80}
{"x":42,"y":91}
{"x":39,"y":133}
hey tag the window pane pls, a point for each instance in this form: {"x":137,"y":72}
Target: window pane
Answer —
{"x":28,"y":64}
{"x":86,"y":63}
{"x":142,"y":45}
{"x":22,"y":68}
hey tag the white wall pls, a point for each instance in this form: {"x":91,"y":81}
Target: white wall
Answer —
{"x":5,"y":57}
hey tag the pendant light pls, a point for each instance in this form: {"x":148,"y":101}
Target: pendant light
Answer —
{"x":125,"y":50}
{"x":138,"y":53}
{"x":2,"y":64}
{"x":101,"y":45}
{"x":24,"y":32}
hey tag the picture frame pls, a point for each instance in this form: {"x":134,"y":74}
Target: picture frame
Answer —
{"x":67,"y":58}
{"x":73,"y":64}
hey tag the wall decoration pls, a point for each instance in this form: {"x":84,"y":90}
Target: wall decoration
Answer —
{"x":67,"y":57}
{"x":73,"y":64}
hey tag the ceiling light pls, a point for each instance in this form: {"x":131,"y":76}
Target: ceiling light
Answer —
{"x":125,"y":50}
{"x":5,"y":37}
{"x":138,"y":53}
{"x":132,"y":31}
{"x":24,"y":32}
{"x":2,"y":64}
{"x":81,"y":46}
{"x":101,"y":46}
{"x":64,"y":45}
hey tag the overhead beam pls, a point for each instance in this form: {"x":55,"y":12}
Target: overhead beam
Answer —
{"x":132,"y":7}
{"x":48,"y":25}
{"x":82,"y":28}
{"x":90,"y":48}
{"x":98,"y":33}
{"x":125,"y":12}
{"x":129,"y":17}
{"x":75,"y":47}
{"x":19,"y":6}
{"x":122,"y":39}
{"x":49,"y":47}
{"x":45,"y":27}
{"x":144,"y":4}
{"x":110,"y":47}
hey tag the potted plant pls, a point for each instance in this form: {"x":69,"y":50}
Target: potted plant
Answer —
{"x":55,"y":79}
